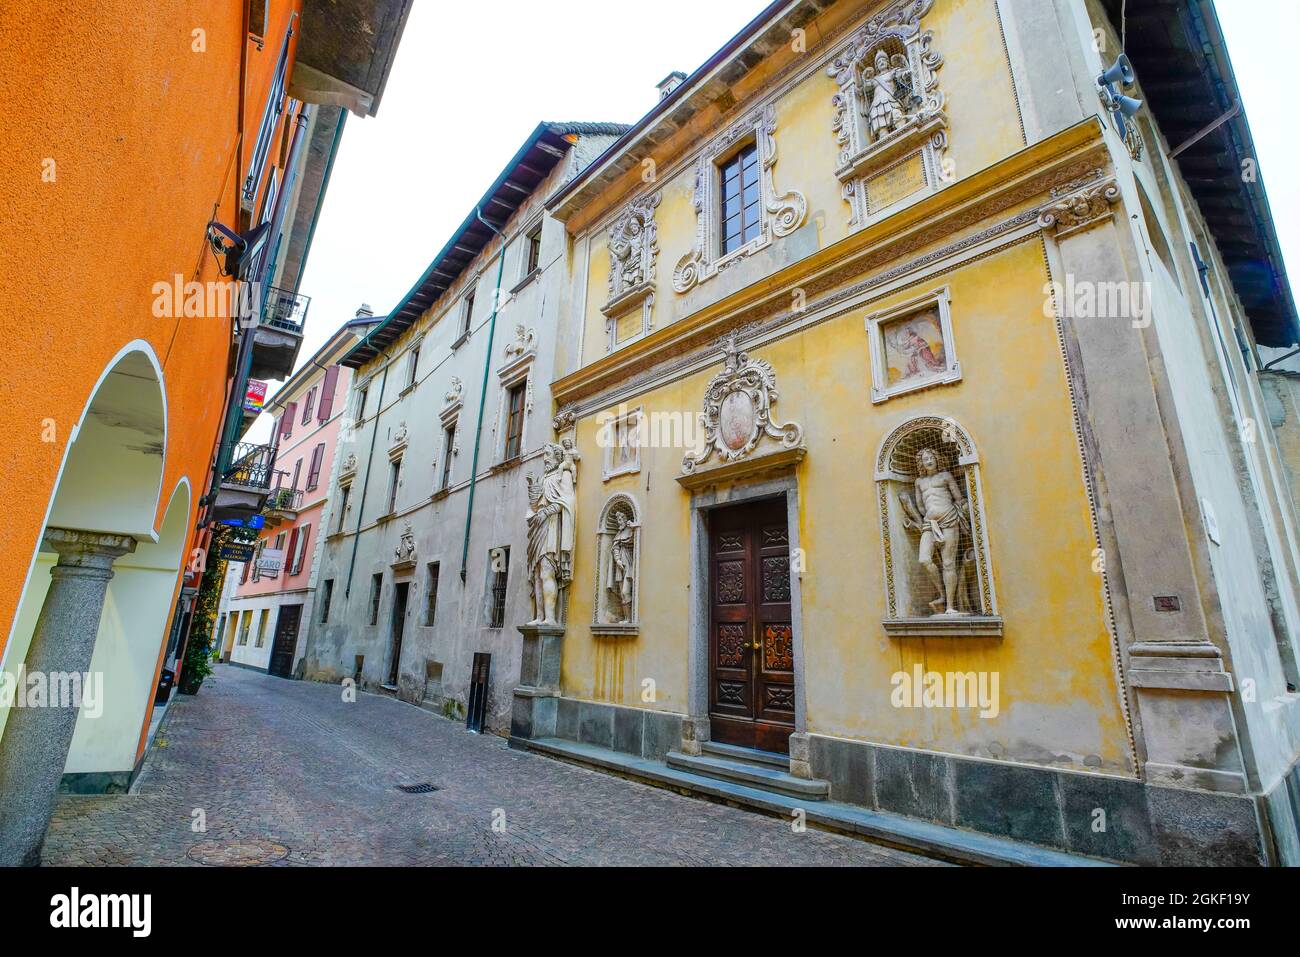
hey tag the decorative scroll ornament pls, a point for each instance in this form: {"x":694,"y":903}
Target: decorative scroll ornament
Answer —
{"x":523,"y":343}
{"x":1080,"y":204}
{"x":405,"y":551}
{"x":738,"y":410}
{"x":454,"y":391}
{"x":349,"y":464}
{"x":783,"y":213}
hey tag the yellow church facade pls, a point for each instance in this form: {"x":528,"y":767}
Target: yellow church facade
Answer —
{"x":885,"y":489}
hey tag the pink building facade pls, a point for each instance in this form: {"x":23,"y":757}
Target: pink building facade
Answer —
{"x":269,"y":601}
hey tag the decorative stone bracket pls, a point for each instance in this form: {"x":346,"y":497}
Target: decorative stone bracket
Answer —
{"x":1080,"y":204}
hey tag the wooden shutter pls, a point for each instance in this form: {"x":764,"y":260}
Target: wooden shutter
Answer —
{"x":290,"y":552}
{"x":302,"y":549}
{"x":326,"y":407}
{"x":313,"y":472}
{"x":286,"y":423}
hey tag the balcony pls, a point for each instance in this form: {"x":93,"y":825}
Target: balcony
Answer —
{"x":277,"y":336}
{"x":282,"y":505}
{"x":245,"y":483}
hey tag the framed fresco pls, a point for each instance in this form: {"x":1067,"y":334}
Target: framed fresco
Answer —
{"x":912,"y":346}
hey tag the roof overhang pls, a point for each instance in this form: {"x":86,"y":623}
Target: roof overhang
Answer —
{"x":713,"y":81}
{"x":522,"y":175}
{"x":1184,"y":72}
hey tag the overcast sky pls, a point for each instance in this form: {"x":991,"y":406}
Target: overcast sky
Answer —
{"x":456,"y":108}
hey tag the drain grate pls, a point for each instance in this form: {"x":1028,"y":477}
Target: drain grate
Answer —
{"x":422,"y":788}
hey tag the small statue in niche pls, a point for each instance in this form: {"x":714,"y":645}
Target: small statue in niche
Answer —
{"x":941,"y":519}
{"x":888,"y":89}
{"x":619,"y":573}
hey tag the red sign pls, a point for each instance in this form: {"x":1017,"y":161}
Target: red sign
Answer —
{"x":255,"y":397}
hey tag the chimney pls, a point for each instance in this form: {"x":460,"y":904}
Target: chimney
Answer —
{"x":669,"y":83}
{"x":364,"y":310}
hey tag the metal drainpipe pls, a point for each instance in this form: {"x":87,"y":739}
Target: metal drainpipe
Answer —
{"x":365,"y":482}
{"x":482,"y":398}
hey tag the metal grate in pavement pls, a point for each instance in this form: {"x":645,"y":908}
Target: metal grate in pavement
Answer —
{"x":423,"y":787}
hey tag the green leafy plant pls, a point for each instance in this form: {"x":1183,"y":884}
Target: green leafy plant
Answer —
{"x":197,"y":663}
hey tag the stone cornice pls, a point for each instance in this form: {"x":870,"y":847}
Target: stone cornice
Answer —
{"x":1026,"y":176}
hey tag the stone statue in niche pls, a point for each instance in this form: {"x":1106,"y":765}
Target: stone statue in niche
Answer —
{"x":619,"y":575}
{"x":942,"y":516}
{"x":889,"y":84}
{"x":551,"y":501}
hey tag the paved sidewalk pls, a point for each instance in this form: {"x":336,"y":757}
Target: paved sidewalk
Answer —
{"x":286,"y":772}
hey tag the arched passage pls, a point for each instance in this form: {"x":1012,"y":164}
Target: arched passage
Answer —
{"x":102,"y":507}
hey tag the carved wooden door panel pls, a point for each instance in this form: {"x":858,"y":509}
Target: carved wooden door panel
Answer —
{"x":751,"y":653}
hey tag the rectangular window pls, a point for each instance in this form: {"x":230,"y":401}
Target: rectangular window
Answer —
{"x":261,"y":628}
{"x":313,"y":470}
{"x":297,"y":473}
{"x":360,"y":413}
{"x":514,"y":420}
{"x":243,"y":627}
{"x":345,"y":492}
{"x":431,"y":594}
{"x":467,"y":311}
{"x":286,"y":421}
{"x":533,"y":249}
{"x":376,"y":585}
{"x":308,"y":404}
{"x":300,"y":555}
{"x":394,"y":479}
{"x":326,"y":596}
{"x":741,"y":211}
{"x":412,"y":367}
{"x":498,"y":575}
{"x":243,"y":572}
{"x":448,"y":450}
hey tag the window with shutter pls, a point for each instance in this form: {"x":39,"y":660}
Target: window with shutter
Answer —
{"x":313,"y":472}
{"x":307,"y":405}
{"x":290,"y":552}
{"x":301,"y":555}
{"x":326,"y":407}
{"x":287,"y":422}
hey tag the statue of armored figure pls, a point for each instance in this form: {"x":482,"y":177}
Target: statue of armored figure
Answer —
{"x":888,"y":88}
{"x":620,"y":575}
{"x":551,"y":501}
{"x":942,"y":516}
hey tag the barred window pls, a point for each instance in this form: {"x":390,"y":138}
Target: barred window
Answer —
{"x":498,"y":575}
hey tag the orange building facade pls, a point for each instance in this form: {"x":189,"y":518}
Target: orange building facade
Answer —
{"x":162,"y":177}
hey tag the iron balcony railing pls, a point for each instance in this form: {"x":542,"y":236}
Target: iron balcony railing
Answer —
{"x":285,"y":310}
{"x":284,"y":500}
{"x":251,"y":466}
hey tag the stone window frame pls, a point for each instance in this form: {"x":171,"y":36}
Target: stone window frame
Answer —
{"x":988,"y":623}
{"x":517,"y":371}
{"x":781,"y":212}
{"x":875,"y":323}
{"x":635,"y":419}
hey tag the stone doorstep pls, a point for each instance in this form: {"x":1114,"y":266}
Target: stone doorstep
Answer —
{"x":748,"y":771}
{"x":893,"y":830}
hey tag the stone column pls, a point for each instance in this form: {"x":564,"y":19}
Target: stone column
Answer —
{"x":35,"y":745}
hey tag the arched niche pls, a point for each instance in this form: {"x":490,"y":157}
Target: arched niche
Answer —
{"x":934,"y":536}
{"x":618,"y":566}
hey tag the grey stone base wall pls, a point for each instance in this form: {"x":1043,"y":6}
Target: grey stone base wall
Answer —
{"x":638,"y":731}
{"x":1143,"y":824}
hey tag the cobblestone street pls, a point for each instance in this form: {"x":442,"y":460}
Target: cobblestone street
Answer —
{"x":286,"y":772}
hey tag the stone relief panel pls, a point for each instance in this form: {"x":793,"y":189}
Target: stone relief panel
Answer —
{"x":737,"y":412}
{"x":888,"y":118}
{"x":782,"y":213}
{"x":618,"y":556}
{"x":633,"y":257}
{"x":938,"y":579}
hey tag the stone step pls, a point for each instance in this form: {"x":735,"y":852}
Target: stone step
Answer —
{"x":739,"y":752}
{"x":751,"y":773}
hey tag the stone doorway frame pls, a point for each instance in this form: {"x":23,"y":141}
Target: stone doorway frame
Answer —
{"x":695,"y":726}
